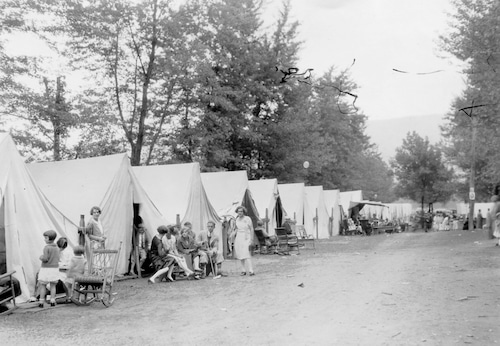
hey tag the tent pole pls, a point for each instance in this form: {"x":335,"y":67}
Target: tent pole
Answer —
{"x":331,"y":224}
{"x":317,"y":224}
{"x":267,"y":221}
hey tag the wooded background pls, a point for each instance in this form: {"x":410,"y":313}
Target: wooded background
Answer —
{"x":207,"y":81}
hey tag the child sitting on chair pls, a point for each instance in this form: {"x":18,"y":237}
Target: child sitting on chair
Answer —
{"x":77,"y":267}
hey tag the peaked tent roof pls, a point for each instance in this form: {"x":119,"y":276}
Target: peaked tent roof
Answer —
{"x":177,"y":190}
{"x":75,"y":186}
{"x":266,"y":197}
{"x":227,"y":190}
{"x":25,"y":214}
{"x":316,"y":203}
{"x":332,"y":202}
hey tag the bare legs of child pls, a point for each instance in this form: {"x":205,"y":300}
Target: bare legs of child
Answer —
{"x":43,"y":293}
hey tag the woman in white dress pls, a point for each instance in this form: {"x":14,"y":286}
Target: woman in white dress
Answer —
{"x":243,"y":240}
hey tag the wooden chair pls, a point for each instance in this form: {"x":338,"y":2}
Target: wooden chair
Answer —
{"x":98,"y":284}
{"x":303,"y":237}
{"x":286,"y":242}
{"x":9,"y":290}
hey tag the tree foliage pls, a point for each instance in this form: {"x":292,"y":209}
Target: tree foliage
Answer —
{"x":200,"y":81}
{"x":420,"y":171}
{"x":475,"y":39}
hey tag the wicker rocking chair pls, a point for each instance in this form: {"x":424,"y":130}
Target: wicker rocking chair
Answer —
{"x":98,"y":284}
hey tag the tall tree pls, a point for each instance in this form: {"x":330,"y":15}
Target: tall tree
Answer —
{"x":475,"y":39}
{"x":420,"y":171}
{"x":122,"y":44}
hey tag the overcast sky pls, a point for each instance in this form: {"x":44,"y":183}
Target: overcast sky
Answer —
{"x":381,"y":35}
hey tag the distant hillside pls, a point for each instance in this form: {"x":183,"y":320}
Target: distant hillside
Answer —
{"x":388,"y":134}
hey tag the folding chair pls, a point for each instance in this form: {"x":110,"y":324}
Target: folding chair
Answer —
{"x":9,"y":289}
{"x":303,"y":237}
{"x":98,"y":284}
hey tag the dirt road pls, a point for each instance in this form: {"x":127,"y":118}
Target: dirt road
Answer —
{"x":402,"y":289}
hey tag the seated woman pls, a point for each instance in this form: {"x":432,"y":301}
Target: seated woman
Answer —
{"x":186,"y":245}
{"x":159,"y":256}
{"x":270,"y":240}
{"x":170,"y":246}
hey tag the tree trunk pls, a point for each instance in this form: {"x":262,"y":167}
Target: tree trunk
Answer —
{"x":56,"y":121}
{"x":135,"y":160}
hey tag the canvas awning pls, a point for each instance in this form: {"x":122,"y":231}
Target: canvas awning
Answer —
{"x":361,"y":204}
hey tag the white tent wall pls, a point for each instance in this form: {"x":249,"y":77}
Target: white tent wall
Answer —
{"x":177,"y":190}
{"x":380,"y":212}
{"x":400,"y":211}
{"x":26,"y":215}
{"x":316,"y":202}
{"x":75,"y":186}
{"x":296,"y":205}
{"x":463,"y":208}
{"x":227,"y":190}
{"x":332,"y":200}
{"x":292,"y":199}
{"x":265,"y":195}
{"x":350,"y":196}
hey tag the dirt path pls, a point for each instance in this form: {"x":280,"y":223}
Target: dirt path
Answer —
{"x":402,"y":289}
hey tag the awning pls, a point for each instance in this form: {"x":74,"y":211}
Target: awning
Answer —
{"x":361,"y":204}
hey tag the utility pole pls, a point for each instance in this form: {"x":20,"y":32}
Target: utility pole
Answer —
{"x":472,"y":178}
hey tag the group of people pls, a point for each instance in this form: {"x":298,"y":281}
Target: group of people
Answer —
{"x":58,"y":264}
{"x":171,"y":248}
{"x":62,"y":264}
{"x":201,"y":250}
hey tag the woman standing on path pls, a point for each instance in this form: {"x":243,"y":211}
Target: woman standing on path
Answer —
{"x":243,"y":240}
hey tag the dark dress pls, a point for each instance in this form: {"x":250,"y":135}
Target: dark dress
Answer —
{"x":159,"y":261}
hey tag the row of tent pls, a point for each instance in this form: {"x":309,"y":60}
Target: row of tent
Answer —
{"x":57,"y":195}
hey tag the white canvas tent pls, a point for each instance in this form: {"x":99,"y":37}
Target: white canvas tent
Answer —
{"x":332,"y":200}
{"x":400,"y":211}
{"x":228,"y":190}
{"x":381,"y":211}
{"x":463,"y":208}
{"x":296,"y":206}
{"x":75,"y":186}
{"x":25,"y":214}
{"x":320,"y":218}
{"x":176,"y":190}
{"x":348,"y":196}
{"x":268,"y":202}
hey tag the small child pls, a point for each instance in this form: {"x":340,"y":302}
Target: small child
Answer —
{"x":49,"y":272}
{"x":77,"y":267}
